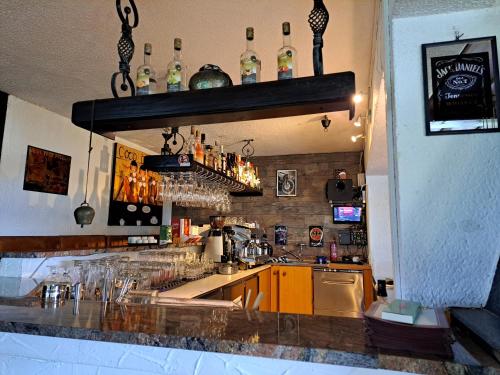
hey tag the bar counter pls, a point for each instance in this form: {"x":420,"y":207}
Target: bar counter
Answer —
{"x":317,"y":339}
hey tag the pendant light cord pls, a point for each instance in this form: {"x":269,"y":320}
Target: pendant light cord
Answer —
{"x":90,"y":149}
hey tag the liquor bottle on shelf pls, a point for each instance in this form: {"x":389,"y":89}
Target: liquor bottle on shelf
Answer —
{"x":146,"y":76}
{"x":229,"y":164}
{"x":176,"y":70}
{"x":209,"y":156}
{"x":190,"y":147}
{"x":223,"y":160}
{"x":199,"y":152}
{"x":250,"y":64}
{"x":217,"y":156}
{"x":287,"y":56}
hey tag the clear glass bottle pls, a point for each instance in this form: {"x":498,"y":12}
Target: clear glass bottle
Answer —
{"x":146,"y":76}
{"x":176,"y":70}
{"x":217,"y":156}
{"x":250,"y":64}
{"x":287,"y":56}
{"x":190,"y":147}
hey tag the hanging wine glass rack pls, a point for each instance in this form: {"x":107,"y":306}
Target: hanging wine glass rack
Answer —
{"x":185,"y":165}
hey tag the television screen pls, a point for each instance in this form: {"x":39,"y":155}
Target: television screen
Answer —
{"x":346,"y":214}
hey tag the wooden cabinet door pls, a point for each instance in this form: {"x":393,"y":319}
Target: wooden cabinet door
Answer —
{"x":295,"y":290}
{"x":234,"y":291}
{"x":274,"y":292}
{"x":265,"y":287}
{"x":253,"y":285}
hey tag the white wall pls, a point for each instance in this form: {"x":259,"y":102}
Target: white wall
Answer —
{"x":376,"y":162}
{"x":448,"y":186}
{"x":32,"y":213}
{"x":379,"y":229}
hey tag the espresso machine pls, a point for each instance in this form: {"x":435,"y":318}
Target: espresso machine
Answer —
{"x":214,"y":248}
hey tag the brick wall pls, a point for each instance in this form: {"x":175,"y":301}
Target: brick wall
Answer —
{"x":309,"y":207}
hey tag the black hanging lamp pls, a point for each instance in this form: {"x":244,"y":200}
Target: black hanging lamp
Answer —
{"x":85,"y":214}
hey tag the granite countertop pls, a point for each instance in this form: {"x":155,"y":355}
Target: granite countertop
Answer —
{"x":330,"y":340}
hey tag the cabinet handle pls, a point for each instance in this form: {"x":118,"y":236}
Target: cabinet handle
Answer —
{"x":284,"y":273}
{"x":275,"y":272}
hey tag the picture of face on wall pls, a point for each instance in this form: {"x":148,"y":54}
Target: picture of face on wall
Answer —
{"x":135,"y":194}
{"x":286,"y":183}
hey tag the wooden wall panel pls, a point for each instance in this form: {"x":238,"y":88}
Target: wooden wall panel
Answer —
{"x":309,"y":207}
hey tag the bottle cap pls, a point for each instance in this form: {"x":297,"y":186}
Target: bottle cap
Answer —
{"x":148,"y":48}
{"x":178,"y":44}
{"x":250,"y":33}
{"x":286,"y":28}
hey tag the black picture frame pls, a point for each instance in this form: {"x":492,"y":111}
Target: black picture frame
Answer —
{"x":457,"y":75}
{"x":4,"y":98}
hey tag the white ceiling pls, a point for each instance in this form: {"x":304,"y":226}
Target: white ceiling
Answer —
{"x":414,"y":8}
{"x":54,"y":53}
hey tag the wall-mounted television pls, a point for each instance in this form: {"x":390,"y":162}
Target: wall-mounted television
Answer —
{"x":347,"y":214}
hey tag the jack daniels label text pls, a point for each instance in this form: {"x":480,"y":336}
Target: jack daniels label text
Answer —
{"x":461,"y":87}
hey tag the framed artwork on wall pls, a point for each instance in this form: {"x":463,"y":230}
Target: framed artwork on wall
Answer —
{"x":46,"y":171}
{"x":461,"y":86}
{"x":134,"y":190}
{"x":280,"y":235}
{"x":286,"y":183}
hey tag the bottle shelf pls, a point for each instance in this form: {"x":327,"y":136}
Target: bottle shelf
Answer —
{"x":174,"y":164}
{"x":291,"y":97}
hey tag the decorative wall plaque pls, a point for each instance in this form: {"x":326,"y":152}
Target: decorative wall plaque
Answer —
{"x":316,"y":237}
{"x":461,"y":86}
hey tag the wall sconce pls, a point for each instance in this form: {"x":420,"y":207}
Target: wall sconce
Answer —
{"x":355,"y":138}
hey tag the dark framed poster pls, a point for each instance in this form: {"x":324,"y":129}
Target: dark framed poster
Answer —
{"x":461,"y":86}
{"x":280,"y":235}
{"x":135,"y":196}
{"x":46,"y":171}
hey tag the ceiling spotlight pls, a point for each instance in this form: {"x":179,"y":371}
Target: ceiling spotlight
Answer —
{"x":355,"y":138}
{"x":358,"y":98}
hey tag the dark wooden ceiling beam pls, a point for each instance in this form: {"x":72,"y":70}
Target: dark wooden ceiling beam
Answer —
{"x":300,"y":96}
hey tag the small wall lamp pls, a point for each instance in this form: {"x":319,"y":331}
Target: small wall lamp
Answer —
{"x":355,"y":138}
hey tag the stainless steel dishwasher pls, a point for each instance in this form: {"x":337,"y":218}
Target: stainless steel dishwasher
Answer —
{"x":338,"y":292}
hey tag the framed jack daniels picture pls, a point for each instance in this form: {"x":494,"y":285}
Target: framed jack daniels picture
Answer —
{"x":461,"y":86}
